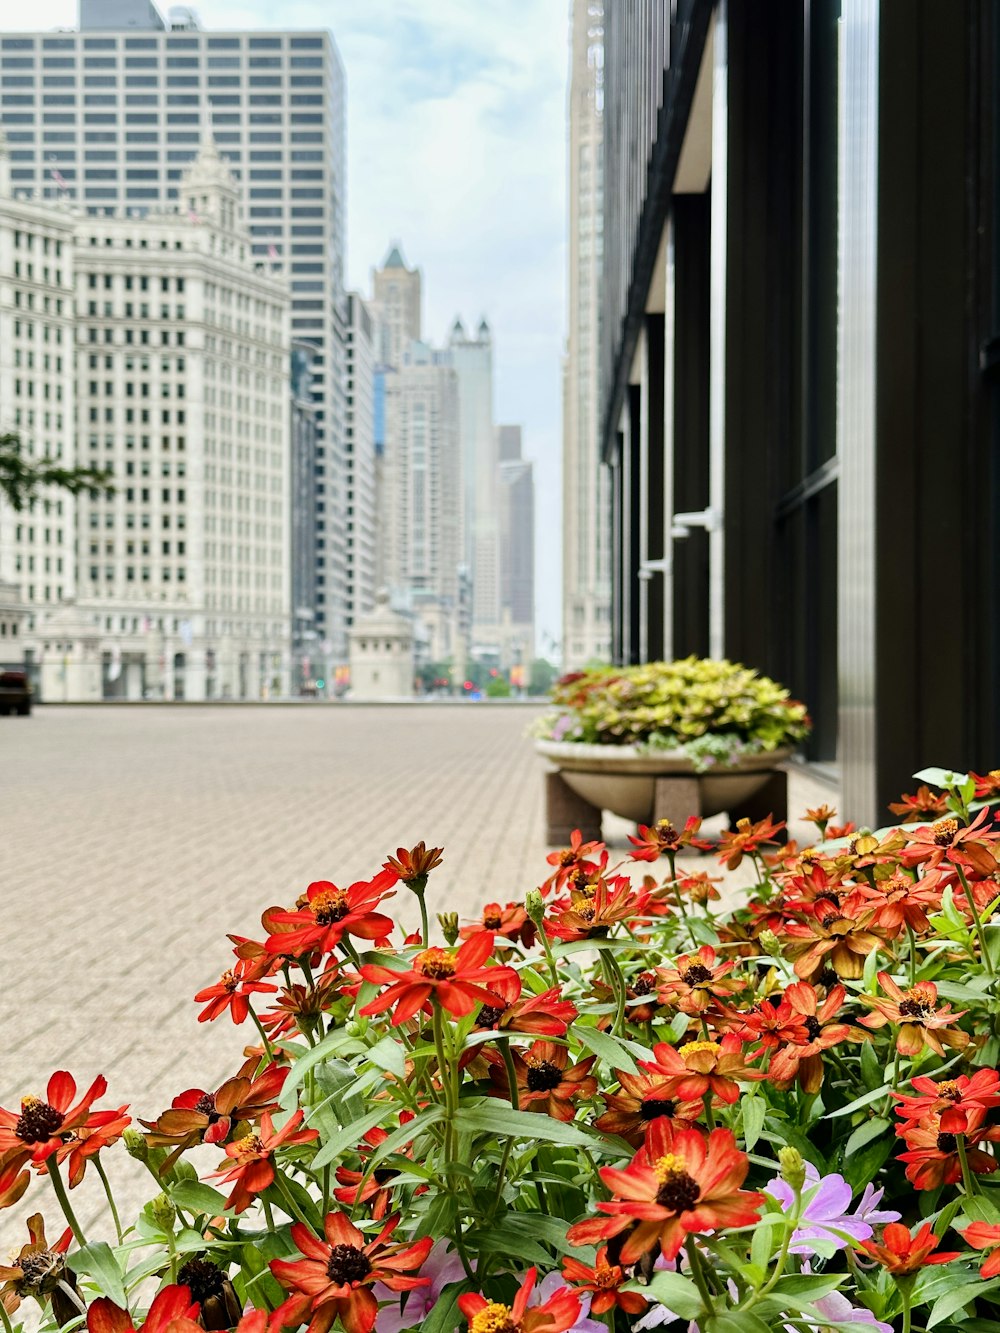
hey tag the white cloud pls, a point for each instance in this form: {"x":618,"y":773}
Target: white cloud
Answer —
{"x":456,"y":146}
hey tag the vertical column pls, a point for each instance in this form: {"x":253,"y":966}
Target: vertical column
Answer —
{"x":717,"y":330}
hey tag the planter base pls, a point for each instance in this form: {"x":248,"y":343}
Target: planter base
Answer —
{"x":565,"y":811}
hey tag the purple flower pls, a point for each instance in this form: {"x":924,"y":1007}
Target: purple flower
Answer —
{"x":441,"y":1267}
{"x":826,"y":1201}
{"x":838,"y":1309}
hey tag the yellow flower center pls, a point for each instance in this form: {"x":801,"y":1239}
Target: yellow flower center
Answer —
{"x":228,"y":981}
{"x":678,"y":1190}
{"x":696,"y":1047}
{"x":495,"y":1318}
{"x":669,"y":1167}
{"x":329,"y":906}
{"x":944,"y":830}
{"x":252,"y":1143}
{"x":437,"y":964}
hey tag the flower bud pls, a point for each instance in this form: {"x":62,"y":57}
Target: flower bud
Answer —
{"x":793,"y":1168}
{"x":241,"y":1129}
{"x":163,"y":1211}
{"x":448,"y":921}
{"x":135,"y":1144}
{"x":770,"y":943}
{"x":534,"y":905}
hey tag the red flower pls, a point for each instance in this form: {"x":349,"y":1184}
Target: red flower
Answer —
{"x":903,"y":1254}
{"x":101,"y":1129}
{"x":662,"y":839}
{"x":559,"y":1313}
{"x":604,"y":1281}
{"x":827,"y":938}
{"x":954,"y":1100}
{"x":330,"y":913}
{"x":947,"y":840}
{"x":678,"y":1184}
{"x":103,"y":1316}
{"x":545,"y":1015}
{"x":13,"y":1181}
{"x":417,"y":863}
{"x":577,"y":853}
{"x":985,"y":1236}
{"x":746,"y":839}
{"x":254,"y":1321}
{"x":544,"y":1082}
{"x":803,"y":1057}
{"x":987,"y":784}
{"x":697,"y":1067}
{"x":196,"y":1116}
{"x":248,"y":1160}
{"x":511,"y":923}
{"x":921,"y":1020}
{"x":374,"y":1188}
{"x":335,"y":1277}
{"x":456,"y":979}
{"x":902,"y":901}
{"x":592,"y":915}
{"x":231,"y":992}
{"x":37,"y":1270}
{"x":932,"y":1155}
{"x":695,"y":980}
{"x":643,"y":1098}
{"x":922,"y":804}
{"x":42,"y":1127}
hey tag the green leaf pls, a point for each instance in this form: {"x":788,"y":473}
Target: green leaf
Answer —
{"x":872,"y":1072}
{"x":613,"y":1052}
{"x":495,"y":1119}
{"x":865,"y":1132}
{"x":861,"y":1168}
{"x":981,"y":1208}
{"x":98,"y":1262}
{"x":754,"y":1111}
{"x":389,"y":1055}
{"x":945,"y":778}
{"x":736,"y":1323}
{"x":196,"y":1197}
{"x":859,"y":1102}
{"x":954,"y":1300}
{"x":676,"y":1292}
{"x":351,"y":1135}
{"x":677,"y":1027}
{"x":332,"y":1044}
{"x":445,"y":1318}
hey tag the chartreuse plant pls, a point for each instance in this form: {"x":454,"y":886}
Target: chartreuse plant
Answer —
{"x":610,"y":1105}
{"x":708,"y":711}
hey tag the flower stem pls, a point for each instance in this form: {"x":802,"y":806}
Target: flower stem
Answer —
{"x":289,"y":1204}
{"x":5,"y":1319}
{"x":617,"y":982}
{"x":968,"y":1179}
{"x":57,"y":1184}
{"x":549,"y":958}
{"x":263,"y":1035}
{"x":709,"y":1113}
{"x":980,"y":932}
{"x":913,"y":954}
{"x":698,"y":1273}
{"x":111,"y":1198}
{"x":905,"y":1293}
{"x":417,"y":887}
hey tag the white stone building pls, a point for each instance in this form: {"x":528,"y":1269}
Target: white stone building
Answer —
{"x":37,"y":389}
{"x":586,"y":497}
{"x":396,"y":304}
{"x":381,"y":647}
{"x":360,"y":453}
{"x":183,"y":363}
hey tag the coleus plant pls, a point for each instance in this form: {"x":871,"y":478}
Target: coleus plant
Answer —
{"x":624,"y":1102}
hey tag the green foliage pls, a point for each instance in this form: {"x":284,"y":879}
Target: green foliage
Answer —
{"x":22,"y":477}
{"x":710,"y":711}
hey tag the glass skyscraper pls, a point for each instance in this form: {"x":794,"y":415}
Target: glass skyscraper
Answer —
{"x":111,"y":114}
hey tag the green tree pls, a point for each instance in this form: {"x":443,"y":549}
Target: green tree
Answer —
{"x":21,"y":477}
{"x":541,"y":674}
{"x":498,"y":687}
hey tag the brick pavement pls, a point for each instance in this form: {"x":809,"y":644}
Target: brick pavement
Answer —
{"x":133,"y":839}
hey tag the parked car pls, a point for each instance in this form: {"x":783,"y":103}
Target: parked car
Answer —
{"x":15,"y":692}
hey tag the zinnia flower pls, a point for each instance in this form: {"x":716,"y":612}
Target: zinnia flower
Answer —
{"x":985,"y":1236}
{"x":746,"y":839}
{"x":546,"y":1081}
{"x":42,"y":1127}
{"x":328,"y":914}
{"x":173,"y":1302}
{"x":232,"y":992}
{"x":37,"y":1270}
{"x":662,"y":839}
{"x":697,"y":1067}
{"x":457,"y":979}
{"x":335,"y":1277}
{"x":903,"y":1254}
{"x":678,"y":1184}
{"x":248,"y":1160}
{"x":603,"y":1282}
{"x":921,"y":1020}
{"x":643,"y":1098}
{"x":556,"y":1315}
{"x":952,"y":1099}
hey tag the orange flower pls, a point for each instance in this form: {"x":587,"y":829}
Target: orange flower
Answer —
{"x":231,"y":992}
{"x":458,"y":980}
{"x":559,"y":1313}
{"x":679,"y":1183}
{"x":334,"y":1278}
{"x":196,"y":1116}
{"x":827,"y":939}
{"x":374,"y":1188}
{"x":922,"y":804}
{"x":511,"y":923}
{"x":330,"y":913}
{"x":985,"y":1236}
{"x":697,"y":1067}
{"x":903,"y":901}
{"x":947,"y":840}
{"x":173,"y":1302}
{"x":248,"y":1160}
{"x":101,"y":1129}
{"x":746,"y":839}
{"x":643,"y":1098}
{"x":37,"y":1270}
{"x":604,"y":1281}
{"x":921,"y":1020}
{"x":546,"y":1081}
{"x":592,"y":916}
{"x":662,"y":839}
{"x":821,"y":815}
{"x":13,"y":1181}
{"x":932,"y":1155}
{"x":803,"y":1059}
{"x":415,"y":864}
{"x":545,"y":1015}
{"x":695,"y":980}
{"x":952,"y":1099}
{"x":42,"y":1127}
{"x":903,"y":1254}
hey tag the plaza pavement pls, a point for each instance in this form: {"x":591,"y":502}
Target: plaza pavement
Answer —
{"x":132,"y":839}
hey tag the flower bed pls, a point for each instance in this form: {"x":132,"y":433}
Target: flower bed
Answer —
{"x":607,"y":1106}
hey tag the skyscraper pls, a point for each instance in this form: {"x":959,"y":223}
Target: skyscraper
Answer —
{"x":586,"y":498}
{"x":516,"y":506}
{"x":360,"y":449}
{"x":396,"y":302}
{"x":109,"y":116}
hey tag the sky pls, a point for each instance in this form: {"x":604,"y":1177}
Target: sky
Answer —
{"x":456,"y":141}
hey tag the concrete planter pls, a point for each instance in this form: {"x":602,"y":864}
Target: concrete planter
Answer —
{"x":644,"y":787}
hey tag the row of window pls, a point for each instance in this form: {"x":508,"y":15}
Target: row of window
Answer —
{"x":172,"y":42}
